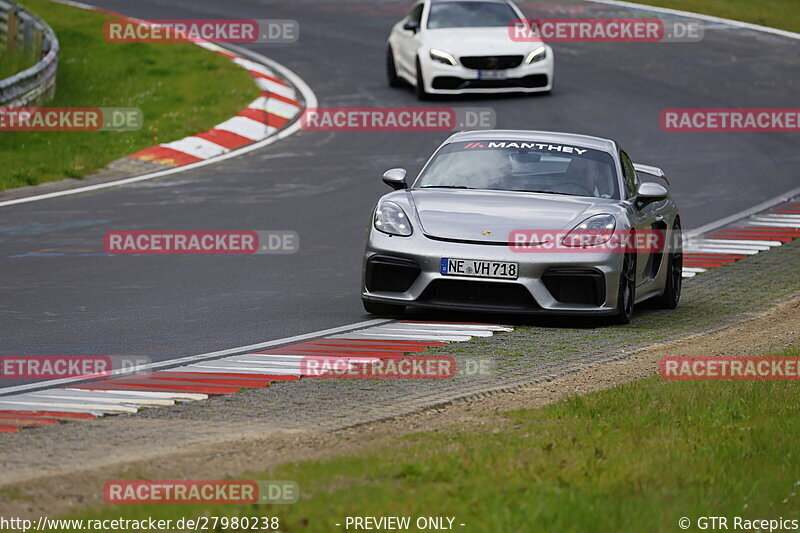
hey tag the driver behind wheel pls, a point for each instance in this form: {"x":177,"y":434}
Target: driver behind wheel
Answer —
{"x":593,"y":177}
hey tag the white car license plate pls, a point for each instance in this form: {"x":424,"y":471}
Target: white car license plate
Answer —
{"x":479,"y":269}
{"x":492,"y":74}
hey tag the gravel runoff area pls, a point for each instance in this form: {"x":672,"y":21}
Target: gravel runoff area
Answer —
{"x":316,"y":416}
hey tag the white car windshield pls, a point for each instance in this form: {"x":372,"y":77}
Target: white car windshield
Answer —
{"x":523,"y":166}
{"x":470,"y":15}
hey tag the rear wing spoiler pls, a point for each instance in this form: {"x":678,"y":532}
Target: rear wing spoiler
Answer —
{"x":652,"y":171}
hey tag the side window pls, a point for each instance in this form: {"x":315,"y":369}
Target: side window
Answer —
{"x":416,"y":14}
{"x":631,"y":181}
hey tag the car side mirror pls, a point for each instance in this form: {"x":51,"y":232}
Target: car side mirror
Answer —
{"x":395,"y":178}
{"x":411,"y":25}
{"x":649,"y":193}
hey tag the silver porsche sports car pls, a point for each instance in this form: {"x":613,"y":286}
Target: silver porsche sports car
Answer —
{"x":524,"y":222}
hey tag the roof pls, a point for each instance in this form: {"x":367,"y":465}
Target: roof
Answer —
{"x":587,"y":141}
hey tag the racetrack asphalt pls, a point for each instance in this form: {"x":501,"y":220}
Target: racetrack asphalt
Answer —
{"x":59,"y":293}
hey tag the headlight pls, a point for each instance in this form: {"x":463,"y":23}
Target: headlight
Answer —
{"x":593,"y":231}
{"x":443,"y":57}
{"x":537,"y":55}
{"x":390,"y":218}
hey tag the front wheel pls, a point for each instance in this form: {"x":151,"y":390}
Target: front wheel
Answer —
{"x":672,"y":289}
{"x":626,"y":295}
{"x":375,"y":308}
{"x":422,"y":94}
{"x":391,"y":69}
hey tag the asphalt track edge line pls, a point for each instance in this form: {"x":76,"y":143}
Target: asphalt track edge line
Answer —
{"x":763,"y":206}
{"x":41,"y":385}
{"x":309,"y":98}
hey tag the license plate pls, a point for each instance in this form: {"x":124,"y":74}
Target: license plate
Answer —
{"x":479,"y":269}
{"x":492,"y":74}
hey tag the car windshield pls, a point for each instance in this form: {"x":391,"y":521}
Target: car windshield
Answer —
{"x":523,"y":166}
{"x":470,"y":15}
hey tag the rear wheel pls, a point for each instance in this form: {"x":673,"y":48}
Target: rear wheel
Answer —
{"x":672,"y":290}
{"x":626,"y":295}
{"x":422,"y":94}
{"x":391,"y":69}
{"x":375,"y":308}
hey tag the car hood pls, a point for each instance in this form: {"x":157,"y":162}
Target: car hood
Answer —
{"x":466,"y":215}
{"x":477,"y":42}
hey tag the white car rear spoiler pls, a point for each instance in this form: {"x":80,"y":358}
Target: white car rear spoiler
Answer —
{"x":652,"y":171}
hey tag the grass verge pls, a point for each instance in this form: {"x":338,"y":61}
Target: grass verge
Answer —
{"x":637,"y":457}
{"x":14,"y":62}
{"x":181,"y":89}
{"x":782,"y":14}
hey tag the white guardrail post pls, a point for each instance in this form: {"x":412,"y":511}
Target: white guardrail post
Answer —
{"x":23,"y":31}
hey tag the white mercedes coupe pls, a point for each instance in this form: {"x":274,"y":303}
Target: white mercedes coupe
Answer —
{"x":466,"y":46}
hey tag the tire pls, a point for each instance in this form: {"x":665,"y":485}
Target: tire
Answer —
{"x":422,"y":94}
{"x":672,"y":290}
{"x":391,"y":69}
{"x":626,"y":295}
{"x":375,"y":308}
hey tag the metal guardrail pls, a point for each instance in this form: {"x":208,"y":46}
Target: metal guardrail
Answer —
{"x":22,"y":30}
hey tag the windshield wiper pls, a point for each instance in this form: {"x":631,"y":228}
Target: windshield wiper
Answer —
{"x":547,"y":192}
{"x":445,"y":187}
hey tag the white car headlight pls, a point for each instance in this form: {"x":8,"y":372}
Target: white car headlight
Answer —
{"x":390,"y":218}
{"x":443,"y":57}
{"x":593,"y":231}
{"x":537,"y":55}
